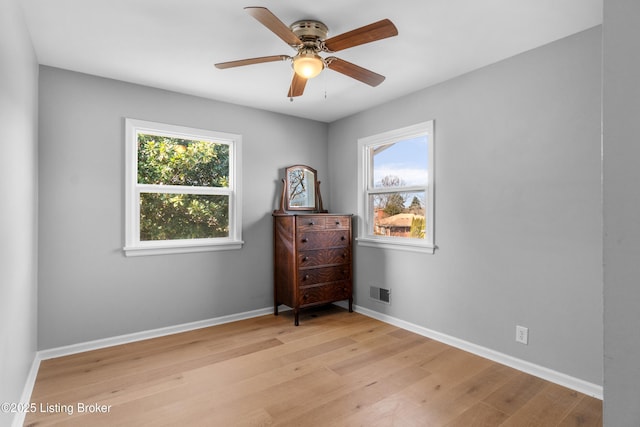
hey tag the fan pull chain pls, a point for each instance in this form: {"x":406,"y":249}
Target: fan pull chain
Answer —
{"x":324,"y":81}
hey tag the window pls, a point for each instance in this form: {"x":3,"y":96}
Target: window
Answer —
{"x":396,"y":189}
{"x":182,"y":189}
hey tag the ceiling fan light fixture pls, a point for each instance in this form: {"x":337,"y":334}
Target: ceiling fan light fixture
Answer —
{"x":308,"y":65}
{"x":309,"y":37}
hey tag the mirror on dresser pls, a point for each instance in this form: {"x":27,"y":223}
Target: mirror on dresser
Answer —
{"x":300,"y":190}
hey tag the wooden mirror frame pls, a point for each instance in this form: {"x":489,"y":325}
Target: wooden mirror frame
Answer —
{"x":300,"y":190}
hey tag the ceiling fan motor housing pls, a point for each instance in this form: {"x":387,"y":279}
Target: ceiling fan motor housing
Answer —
{"x":310,"y":32}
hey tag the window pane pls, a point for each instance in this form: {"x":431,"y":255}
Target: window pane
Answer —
{"x":174,"y":161}
{"x":183,"y":216}
{"x":402,"y":163}
{"x":398,"y":214}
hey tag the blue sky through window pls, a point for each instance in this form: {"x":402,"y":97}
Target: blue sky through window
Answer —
{"x":407,"y":159}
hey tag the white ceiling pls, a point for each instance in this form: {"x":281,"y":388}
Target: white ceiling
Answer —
{"x":173,"y":44}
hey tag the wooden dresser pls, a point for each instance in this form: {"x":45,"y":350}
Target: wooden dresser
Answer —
{"x":312,"y":260}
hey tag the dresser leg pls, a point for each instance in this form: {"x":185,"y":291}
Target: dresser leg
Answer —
{"x":275,"y":309}
{"x":350,"y":305}
{"x":295,"y":315}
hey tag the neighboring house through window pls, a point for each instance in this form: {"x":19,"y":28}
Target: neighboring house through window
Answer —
{"x":182,"y":189}
{"x":396,"y":189}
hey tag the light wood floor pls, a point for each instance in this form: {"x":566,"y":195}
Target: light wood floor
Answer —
{"x":335,"y":369}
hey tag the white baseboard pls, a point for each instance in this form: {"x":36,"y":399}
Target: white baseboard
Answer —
{"x":144,"y":335}
{"x":556,"y":377}
{"x":18,"y":419}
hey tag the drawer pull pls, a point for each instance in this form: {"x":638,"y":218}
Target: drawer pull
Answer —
{"x":305,"y":296}
{"x":305,"y":259}
{"x":312,"y":223}
{"x":305,"y":240}
{"x":337,"y":222}
{"x":306,"y":277}
{"x":343,"y":238}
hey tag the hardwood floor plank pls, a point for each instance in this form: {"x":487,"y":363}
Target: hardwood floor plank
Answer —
{"x":549,"y":407}
{"x":393,"y":410}
{"x":336,"y":368}
{"x":479,"y":415}
{"x":351,"y":382}
{"x":383,"y":352}
{"x":228,"y":409}
{"x":446,"y":406}
{"x":352,"y":400}
{"x":515,"y":393}
{"x":588,"y":413}
{"x":117,"y":378}
{"x":448,"y":368}
{"x":369,"y":374}
{"x":367,"y":377}
{"x":453,"y":364}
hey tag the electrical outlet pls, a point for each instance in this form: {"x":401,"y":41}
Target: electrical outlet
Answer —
{"x":522,"y":334}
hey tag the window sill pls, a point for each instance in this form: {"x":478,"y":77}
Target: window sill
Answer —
{"x":405,"y":245}
{"x":181,"y":248}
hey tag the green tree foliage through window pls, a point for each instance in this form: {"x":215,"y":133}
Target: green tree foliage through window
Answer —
{"x":173,"y":161}
{"x":395,"y":204}
{"x":167,"y":161}
{"x":418,"y":227}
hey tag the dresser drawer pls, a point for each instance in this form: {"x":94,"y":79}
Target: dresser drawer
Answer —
{"x":338,"y":222}
{"x":311,"y":223}
{"x":318,"y":257}
{"x":324,"y":293}
{"x":323,"y":239}
{"x":315,"y":223}
{"x":312,"y":276}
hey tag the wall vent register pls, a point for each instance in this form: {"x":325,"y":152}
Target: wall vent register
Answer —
{"x":380,"y":294}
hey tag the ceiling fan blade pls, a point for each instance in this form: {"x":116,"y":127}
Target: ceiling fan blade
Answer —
{"x":249,"y":61}
{"x":269,"y":20}
{"x":297,"y":86}
{"x":367,"y":34}
{"x":354,"y":71}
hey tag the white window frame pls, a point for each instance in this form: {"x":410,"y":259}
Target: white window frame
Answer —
{"x":133,"y":245}
{"x":365,"y":188}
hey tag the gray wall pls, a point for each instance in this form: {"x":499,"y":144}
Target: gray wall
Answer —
{"x":88,"y":289}
{"x":18,"y":206}
{"x":621,"y":113}
{"x":518,"y":207}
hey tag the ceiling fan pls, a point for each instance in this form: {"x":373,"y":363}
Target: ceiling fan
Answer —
{"x":308,"y":38}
